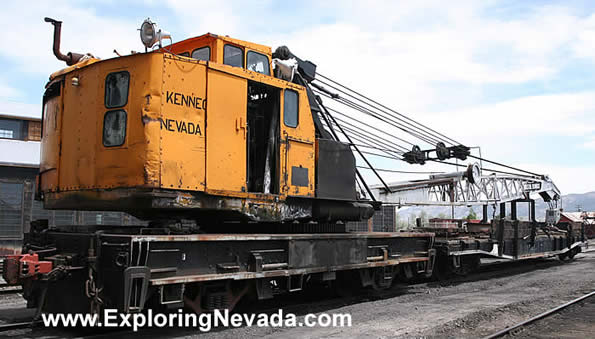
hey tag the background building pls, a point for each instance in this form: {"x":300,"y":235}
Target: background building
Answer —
{"x":578,"y":218}
{"x":20,"y":135}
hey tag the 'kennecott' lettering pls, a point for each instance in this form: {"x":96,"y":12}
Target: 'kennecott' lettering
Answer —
{"x":185,"y":100}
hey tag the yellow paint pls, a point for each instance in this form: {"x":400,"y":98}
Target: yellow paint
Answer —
{"x":182,"y":126}
{"x":298,"y":147}
{"x":74,"y":67}
{"x":226,"y":132}
{"x":162,"y":148}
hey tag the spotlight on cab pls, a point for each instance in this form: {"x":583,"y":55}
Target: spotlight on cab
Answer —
{"x":151,"y":35}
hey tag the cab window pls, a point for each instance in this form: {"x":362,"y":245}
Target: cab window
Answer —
{"x":290,"y":108}
{"x":116,"y":89}
{"x":257,"y":62}
{"x":203,"y":53}
{"x":114,"y":128}
{"x":233,"y":56}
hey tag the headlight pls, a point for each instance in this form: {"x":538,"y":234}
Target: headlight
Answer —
{"x":148,"y":33}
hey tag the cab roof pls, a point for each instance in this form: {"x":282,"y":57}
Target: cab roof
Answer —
{"x":191,"y":43}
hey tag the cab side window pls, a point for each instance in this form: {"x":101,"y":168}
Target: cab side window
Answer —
{"x":116,"y":89}
{"x":114,"y":128}
{"x":290,"y":108}
{"x":203,"y":53}
{"x":116,"y":96}
{"x":233,"y":56}
{"x":257,"y":62}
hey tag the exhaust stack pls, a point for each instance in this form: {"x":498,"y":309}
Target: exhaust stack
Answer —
{"x":70,"y":58}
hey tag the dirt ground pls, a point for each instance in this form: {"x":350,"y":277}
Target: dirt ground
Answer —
{"x":575,"y":321}
{"x":466,"y":308}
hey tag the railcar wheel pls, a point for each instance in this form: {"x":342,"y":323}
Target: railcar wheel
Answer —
{"x":574,"y":252}
{"x":346,"y":284}
{"x":442,"y":269}
{"x":467,"y":264}
{"x":383,"y":277}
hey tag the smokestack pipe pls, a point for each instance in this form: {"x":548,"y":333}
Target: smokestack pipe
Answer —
{"x":70,"y":58}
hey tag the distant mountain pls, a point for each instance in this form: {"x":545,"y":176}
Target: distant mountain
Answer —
{"x":570,"y":203}
{"x":585,"y":201}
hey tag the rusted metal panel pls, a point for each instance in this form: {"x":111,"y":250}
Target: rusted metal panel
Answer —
{"x":281,"y":273}
{"x":181,"y":259}
{"x":257,"y":237}
{"x":310,"y":253}
{"x":510,"y":239}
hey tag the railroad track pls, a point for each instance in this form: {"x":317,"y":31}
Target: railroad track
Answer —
{"x":513,"y":328}
{"x":4,"y":290}
{"x":16,"y":326}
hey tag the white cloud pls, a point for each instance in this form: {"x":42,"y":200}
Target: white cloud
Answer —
{"x":583,"y":46}
{"x":29,"y":44}
{"x":569,"y":179}
{"x":569,"y":114}
{"x":219,"y":17}
{"x":430,"y":56}
{"x":589,"y":143}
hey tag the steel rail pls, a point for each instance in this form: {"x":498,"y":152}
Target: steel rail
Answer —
{"x":5,"y":290}
{"x":18,"y":326}
{"x":538,"y":317}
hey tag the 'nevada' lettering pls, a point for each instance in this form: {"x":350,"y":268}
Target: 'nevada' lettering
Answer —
{"x":185,"y":100}
{"x":180,"y":126}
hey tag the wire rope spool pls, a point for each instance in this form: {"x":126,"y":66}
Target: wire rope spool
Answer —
{"x":442,"y":151}
{"x":473,"y":173}
{"x":415,"y":156}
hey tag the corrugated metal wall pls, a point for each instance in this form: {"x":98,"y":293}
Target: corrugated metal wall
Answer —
{"x":18,"y":208}
{"x":11,"y":210}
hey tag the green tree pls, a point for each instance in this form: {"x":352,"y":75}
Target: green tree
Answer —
{"x":471,"y":215}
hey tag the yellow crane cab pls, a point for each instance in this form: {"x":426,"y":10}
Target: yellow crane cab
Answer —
{"x":198,"y":129}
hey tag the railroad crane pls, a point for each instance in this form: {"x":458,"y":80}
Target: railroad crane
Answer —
{"x":238,"y":139}
{"x":212,"y":129}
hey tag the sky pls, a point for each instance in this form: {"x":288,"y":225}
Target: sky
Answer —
{"x":516,"y":78}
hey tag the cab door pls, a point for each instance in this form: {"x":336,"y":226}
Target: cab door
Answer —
{"x":298,"y":144}
{"x":226,"y":132}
